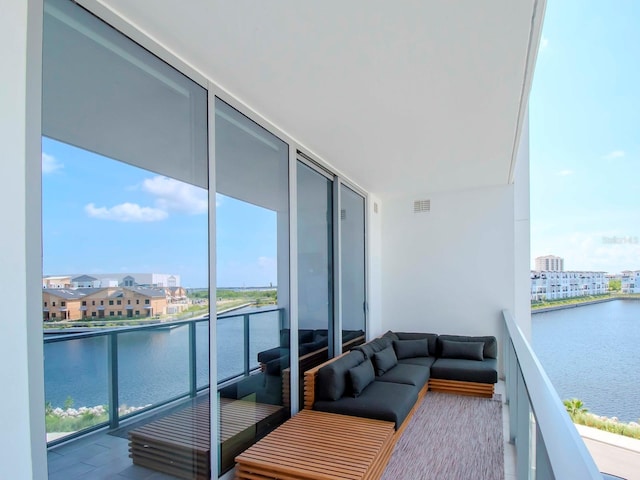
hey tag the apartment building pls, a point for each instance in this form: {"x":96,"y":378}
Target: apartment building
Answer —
{"x":630,"y":281}
{"x":549,"y":263}
{"x":103,"y":280}
{"x":101,"y":303}
{"x":554,"y":285}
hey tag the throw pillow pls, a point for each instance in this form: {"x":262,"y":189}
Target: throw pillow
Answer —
{"x":361,"y":376}
{"x":385,"y":360}
{"x":462,"y":350}
{"x":411,"y":348}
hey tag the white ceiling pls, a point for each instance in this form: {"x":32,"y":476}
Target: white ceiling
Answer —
{"x":408,"y":96}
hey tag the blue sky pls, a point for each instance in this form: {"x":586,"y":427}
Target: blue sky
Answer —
{"x":104,"y":216}
{"x":585,"y":136}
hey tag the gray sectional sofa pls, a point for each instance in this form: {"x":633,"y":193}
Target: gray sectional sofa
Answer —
{"x":384,"y":378}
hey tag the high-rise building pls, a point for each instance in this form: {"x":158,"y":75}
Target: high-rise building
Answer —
{"x":550,"y":263}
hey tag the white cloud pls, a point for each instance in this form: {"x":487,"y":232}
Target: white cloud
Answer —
{"x":173,"y":195}
{"x":564,"y":173}
{"x":267,"y":262}
{"x":126,"y":212}
{"x":613,"y":155}
{"x":50,"y":164}
{"x":544,"y":43}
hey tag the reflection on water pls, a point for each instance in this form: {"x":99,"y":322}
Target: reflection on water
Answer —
{"x":592,"y":353}
{"x":152,"y":365}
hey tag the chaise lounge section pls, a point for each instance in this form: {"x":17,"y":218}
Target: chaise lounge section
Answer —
{"x":383,"y":379}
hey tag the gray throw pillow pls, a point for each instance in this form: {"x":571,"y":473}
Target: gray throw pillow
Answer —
{"x":411,"y":348}
{"x":385,"y":360}
{"x":361,"y":376}
{"x":462,"y":350}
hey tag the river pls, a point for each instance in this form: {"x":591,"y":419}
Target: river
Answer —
{"x":592,"y":353}
{"x":153,"y":365}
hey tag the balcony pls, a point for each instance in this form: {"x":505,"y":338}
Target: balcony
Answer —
{"x":539,"y":438}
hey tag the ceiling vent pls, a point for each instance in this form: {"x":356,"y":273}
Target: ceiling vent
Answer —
{"x":421,"y":206}
{"x":343,"y":214}
{"x":375,"y":207}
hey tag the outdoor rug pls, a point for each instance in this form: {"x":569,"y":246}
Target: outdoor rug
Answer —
{"x":451,"y":437}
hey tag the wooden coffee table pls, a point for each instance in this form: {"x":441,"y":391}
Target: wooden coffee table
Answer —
{"x":320,"y":446}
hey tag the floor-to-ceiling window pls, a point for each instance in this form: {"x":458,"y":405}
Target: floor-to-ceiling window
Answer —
{"x":252,"y":269}
{"x":315,"y":266}
{"x":352,"y":263}
{"x":125,"y":246}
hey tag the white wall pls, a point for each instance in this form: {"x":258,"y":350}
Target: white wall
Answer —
{"x":522,"y":234}
{"x":374,"y":267}
{"x":22,"y":433}
{"x":449,"y":270}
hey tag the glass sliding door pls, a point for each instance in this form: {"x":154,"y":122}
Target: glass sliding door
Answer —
{"x":125,"y":254}
{"x":315,"y":268}
{"x":252,"y":258}
{"x":352,"y":265}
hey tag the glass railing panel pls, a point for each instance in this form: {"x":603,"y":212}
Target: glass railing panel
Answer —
{"x":153,"y":366}
{"x":76,"y":386}
{"x":264,"y":334}
{"x":202,"y":354}
{"x":230,"y":346}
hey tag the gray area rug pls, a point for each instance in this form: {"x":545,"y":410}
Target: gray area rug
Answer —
{"x":451,"y":437}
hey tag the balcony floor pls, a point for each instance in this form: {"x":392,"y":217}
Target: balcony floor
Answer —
{"x":103,"y":456}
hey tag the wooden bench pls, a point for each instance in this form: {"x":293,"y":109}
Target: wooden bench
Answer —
{"x":320,"y":446}
{"x":179,"y":444}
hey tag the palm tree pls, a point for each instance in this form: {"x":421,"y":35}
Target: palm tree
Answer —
{"x":575,"y":407}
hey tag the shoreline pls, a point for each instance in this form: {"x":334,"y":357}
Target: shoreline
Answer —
{"x":574,"y":305}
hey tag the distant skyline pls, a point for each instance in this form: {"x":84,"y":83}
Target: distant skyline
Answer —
{"x":584,"y":142}
{"x":105,"y":216}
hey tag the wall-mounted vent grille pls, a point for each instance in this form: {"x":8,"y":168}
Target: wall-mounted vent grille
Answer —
{"x":375,"y":207}
{"x":420,"y":206}
{"x":343,"y":214}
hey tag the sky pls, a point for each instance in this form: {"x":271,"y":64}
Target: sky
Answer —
{"x":105,"y":216}
{"x":585,"y":136}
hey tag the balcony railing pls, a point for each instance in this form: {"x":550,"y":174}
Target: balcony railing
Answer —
{"x":112,"y":354}
{"x":548,"y":445}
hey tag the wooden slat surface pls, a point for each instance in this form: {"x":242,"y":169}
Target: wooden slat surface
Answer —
{"x":319,"y":446}
{"x":179,"y":443}
{"x":462,"y":388}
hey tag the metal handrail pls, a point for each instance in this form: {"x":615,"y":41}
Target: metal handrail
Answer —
{"x":112,"y":357}
{"x":559,"y":448}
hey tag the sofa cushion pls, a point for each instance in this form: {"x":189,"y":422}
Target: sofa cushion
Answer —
{"x":361,"y":376}
{"x":385,"y":360}
{"x":490,"y":344}
{"x":271,"y":354}
{"x":391,"y":335}
{"x":411,"y":348}
{"x":466,"y":370}
{"x":431,"y":337}
{"x":380,"y":400}
{"x":304,"y":336}
{"x":374,"y":346}
{"x":462,"y":350}
{"x":331,"y":381}
{"x":275,"y":366}
{"x":312,"y":346}
{"x":422,"y":361}
{"x":407,"y":374}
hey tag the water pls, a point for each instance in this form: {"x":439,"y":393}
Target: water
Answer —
{"x":153,"y":365}
{"x":593,"y":353}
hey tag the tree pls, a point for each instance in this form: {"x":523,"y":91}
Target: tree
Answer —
{"x":615,"y":285}
{"x":575,"y":407}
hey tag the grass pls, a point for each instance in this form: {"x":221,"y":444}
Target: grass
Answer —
{"x":570,"y":301}
{"x":580,"y":415}
{"x":607,"y":424}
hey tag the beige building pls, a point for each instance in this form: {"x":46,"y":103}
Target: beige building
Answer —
{"x":550,"y":263}
{"x":100,"y":303}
